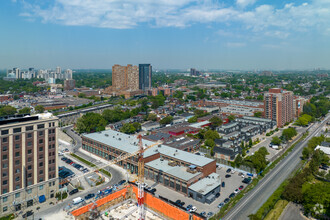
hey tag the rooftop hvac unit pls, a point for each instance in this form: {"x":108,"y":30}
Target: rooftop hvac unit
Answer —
{"x":106,"y":135}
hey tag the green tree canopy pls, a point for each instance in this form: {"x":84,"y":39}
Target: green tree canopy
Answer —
{"x":128,"y":128}
{"x":152,"y":117}
{"x":91,"y":122}
{"x":7,"y":110}
{"x":25,"y":110}
{"x":257,"y":114}
{"x":192,"y":119}
{"x":211,"y":134}
{"x":276,"y":140}
{"x":166,"y":120}
{"x":289,"y":133}
{"x":215,"y":122}
{"x":39,"y":109}
{"x":231,"y":117}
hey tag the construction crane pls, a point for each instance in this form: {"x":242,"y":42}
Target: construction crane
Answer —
{"x":140,"y":184}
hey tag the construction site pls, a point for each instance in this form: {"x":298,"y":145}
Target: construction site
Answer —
{"x":123,"y":204}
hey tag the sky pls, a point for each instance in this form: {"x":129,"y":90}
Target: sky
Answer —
{"x":169,"y":34}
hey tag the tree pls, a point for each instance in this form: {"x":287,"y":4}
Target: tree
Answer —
{"x":178,"y":94}
{"x":215,"y":122}
{"x":144,"y":105}
{"x":289,"y":133}
{"x":318,"y":193}
{"x":39,"y":109}
{"x":128,"y":128}
{"x":155,"y":104}
{"x":211,"y":134}
{"x":82,"y":95}
{"x":238,"y":160}
{"x":137,"y":126}
{"x":276,"y":140}
{"x":231,"y":117}
{"x":7,"y":110}
{"x":25,"y":110}
{"x":304,"y":120}
{"x":210,"y":143}
{"x":91,"y":122}
{"x":192,"y":119}
{"x":257,"y":114}
{"x":152,"y":117}
{"x":306,"y":153}
{"x":250,"y":143}
{"x":166,"y":120}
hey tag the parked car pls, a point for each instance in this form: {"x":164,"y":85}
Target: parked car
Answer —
{"x":193,"y":209}
{"x":153,"y":190}
{"x":233,"y":171}
{"x":236,"y":191}
{"x":228,"y":171}
{"x":203,"y":213}
{"x":121,"y":182}
{"x":223,"y":184}
{"x":226,"y":200}
{"x":179,"y":203}
{"x":228,"y":175}
{"x":64,"y":158}
{"x":73,"y":191}
{"x":27,"y":214}
{"x":189,"y":207}
{"x":221,"y":204}
{"x":241,"y":187}
{"x":232,"y":195}
{"x":217,"y":195}
{"x":89,"y":196}
{"x":246,"y":180}
{"x":210,"y":214}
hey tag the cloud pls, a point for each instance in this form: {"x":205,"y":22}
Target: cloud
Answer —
{"x":244,"y":3}
{"x":125,"y":14}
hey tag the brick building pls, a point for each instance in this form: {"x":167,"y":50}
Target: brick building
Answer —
{"x":279,"y":106}
{"x":28,"y":168}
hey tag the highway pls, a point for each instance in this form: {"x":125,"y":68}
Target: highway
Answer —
{"x":253,"y":200}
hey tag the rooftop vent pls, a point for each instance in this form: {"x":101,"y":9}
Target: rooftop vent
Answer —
{"x":119,"y":139}
{"x":106,"y":135}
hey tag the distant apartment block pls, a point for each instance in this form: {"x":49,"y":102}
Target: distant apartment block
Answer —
{"x":28,"y":168}
{"x":279,"y":106}
{"x":69,"y":84}
{"x":17,"y":73}
{"x":125,"y":77}
{"x":145,"y":76}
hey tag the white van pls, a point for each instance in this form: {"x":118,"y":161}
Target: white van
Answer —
{"x":77,"y":200}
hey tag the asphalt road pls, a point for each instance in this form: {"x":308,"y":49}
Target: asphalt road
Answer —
{"x":255,"y":198}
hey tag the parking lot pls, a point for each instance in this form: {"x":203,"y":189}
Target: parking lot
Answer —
{"x":231,"y":184}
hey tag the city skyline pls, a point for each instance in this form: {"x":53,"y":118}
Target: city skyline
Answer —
{"x":240,"y":35}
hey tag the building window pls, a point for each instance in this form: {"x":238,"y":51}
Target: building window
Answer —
{"x":40,"y":126}
{"x":17,"y":146}
{"x":29,"y":144}
{"x":4,"y":148}
{"x":5,"y":199}
{"x":41,"y":172}
{"x":4,"y":182}
{"x":17,"y":195}
{"x":16,"y":162}
{"x":17,"y":137}
{"x":29,"y":128}
{"x":4,"y":174}
{"x":41,"y":133}
{"x":41,"y":179}
{"x":4,"y":132}
{"x":17,"y":171}
{"x":29,"y":167}
{"x":5,"y":165}
{"x":29,"y":175}
{"x":5,"y":209}
{"x":41,"y":164}
{"x":29,"y":159}
{"x":4,"y":140}
{"x":4,"y":157}
{"x":17,"y":179}
{"x":4,"y":191}
{"x":17,"y":187}
{"x":29,"y":135}
{"x":41,"y":141}
{"x":41,"y":156}
{"x":17,"y":130}
{"x":16,"y":154}
{"x":29,"y":191}
{"x":41,"y":148}
{"x":29,"y":151}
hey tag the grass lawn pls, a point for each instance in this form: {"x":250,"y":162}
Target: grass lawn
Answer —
{"x":276,"y":212}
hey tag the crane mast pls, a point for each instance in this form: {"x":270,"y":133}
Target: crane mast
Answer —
{"x":141,"y":180}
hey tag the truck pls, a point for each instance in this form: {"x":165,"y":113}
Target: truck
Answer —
{"x":77,"y":200}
